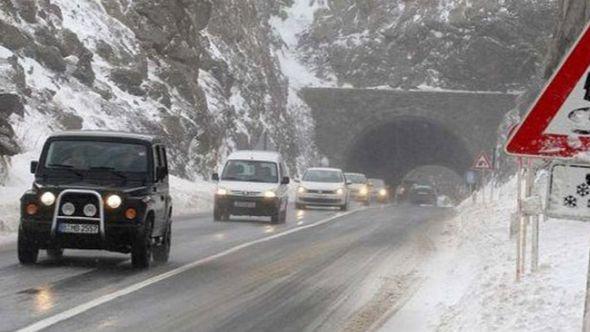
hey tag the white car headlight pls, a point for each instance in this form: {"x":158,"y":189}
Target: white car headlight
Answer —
{"x":270,"y":194}
{"x":48,"y":198}
{"x":221,"y":192}
{"x":364,"y":191}
{"x":301,"y":190}
{"x":382,"y":192}
{"x":114,"y":201}
{"x":340,"y":191}
{"x":68,"y":209}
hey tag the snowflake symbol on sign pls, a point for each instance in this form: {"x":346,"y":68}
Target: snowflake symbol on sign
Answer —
{"x":570,"y":201}
{"x":583,"y":189}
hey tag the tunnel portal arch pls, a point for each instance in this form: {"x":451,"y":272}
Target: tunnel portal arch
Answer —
{"x":392,"y":149}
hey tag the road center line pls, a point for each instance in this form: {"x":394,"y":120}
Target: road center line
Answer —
{"x":52,"y":320}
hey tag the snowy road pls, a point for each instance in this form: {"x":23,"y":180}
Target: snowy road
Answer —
{"x":344,"y":274}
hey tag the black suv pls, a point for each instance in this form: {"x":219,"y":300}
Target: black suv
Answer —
{"x":98,"y":190}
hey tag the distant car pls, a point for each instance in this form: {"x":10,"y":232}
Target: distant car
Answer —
{"x":359,"y":187}
{"x":423,"y":195}
{"x":379,"y":191}
{"x":98,"y":190}
{"x":252,"y":183}
{"x":322,"y":187}
{"x":402,"y":192}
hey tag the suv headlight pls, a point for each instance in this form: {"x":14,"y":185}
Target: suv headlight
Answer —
{"x":301,"y":190}
{"x":270,"y":194}
{"x":48,"y":198}
{"x":114,"y":201}
{"x":221,"y":192}
{"x":340,"y":191}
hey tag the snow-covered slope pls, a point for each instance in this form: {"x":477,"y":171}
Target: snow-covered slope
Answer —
{"x":471,"y":285}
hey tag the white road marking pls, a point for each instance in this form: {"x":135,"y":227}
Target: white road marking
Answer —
{"x":52,"y":320}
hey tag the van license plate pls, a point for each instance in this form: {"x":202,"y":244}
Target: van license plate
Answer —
{"x":78,"y":228}
{"x":249,"y":205}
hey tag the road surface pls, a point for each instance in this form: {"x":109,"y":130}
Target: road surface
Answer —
{"x":322,"y":270}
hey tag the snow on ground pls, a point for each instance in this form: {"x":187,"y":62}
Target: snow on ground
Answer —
{"x":470,"y":284}
{"x":188,"y":197}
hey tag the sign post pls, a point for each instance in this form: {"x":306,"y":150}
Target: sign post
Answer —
{"x":482,"y":163}
{"x":558,"y":127}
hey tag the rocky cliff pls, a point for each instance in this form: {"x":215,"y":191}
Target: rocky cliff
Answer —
{"x":201,"y":73}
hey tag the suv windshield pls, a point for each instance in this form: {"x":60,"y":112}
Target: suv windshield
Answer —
{"x":250,"y":171}
{"x":323,"y":176}
{"x":96,"y":155}
{"x":356,"y":178}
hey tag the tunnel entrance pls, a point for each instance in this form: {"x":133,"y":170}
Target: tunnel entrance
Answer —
{"x":392,"y":150}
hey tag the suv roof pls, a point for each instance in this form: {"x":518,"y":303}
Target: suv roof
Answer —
{"x":107,"y":134}
{"x":255,"y":155}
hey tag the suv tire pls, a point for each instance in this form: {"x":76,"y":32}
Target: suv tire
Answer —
{"x":28,"y":252}
{"x":141,"y":251}
{"x":299,"y":206}
{"x":344,"y":207}
{"x":161,"y":252}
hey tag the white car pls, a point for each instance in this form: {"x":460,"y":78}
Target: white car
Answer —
{"x":359,"y":187}
{"x":322,"y":187}
{"x":252,"y":183}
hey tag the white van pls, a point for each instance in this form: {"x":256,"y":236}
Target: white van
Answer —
{"x":252,"y":183}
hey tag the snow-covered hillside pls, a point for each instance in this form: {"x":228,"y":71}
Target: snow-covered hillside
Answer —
{"x":470,"y":281}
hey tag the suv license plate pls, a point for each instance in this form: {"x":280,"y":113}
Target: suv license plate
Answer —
{"x":249,"y":205}
{"x":78,"y":228}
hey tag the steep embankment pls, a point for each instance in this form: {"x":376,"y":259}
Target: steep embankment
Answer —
{"x":201,"y":73}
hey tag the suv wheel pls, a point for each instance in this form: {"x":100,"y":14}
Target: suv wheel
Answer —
{"x":344,"y":207}
{"x":162,"y":251}
{"x":141,"y":251}
{"x":217,"y":215}
{"x":55,"y":253}
{"x":283,"y":218}
{"x":27,"y":249}
{"x":299,"y":206}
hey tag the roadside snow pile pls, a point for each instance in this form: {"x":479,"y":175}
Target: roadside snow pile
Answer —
{"x":471,"y":285}
{"x":188,"y":196}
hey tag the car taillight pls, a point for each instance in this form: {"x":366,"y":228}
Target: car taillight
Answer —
{"x":32,"y":209}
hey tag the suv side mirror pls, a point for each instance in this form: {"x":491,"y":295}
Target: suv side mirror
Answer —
{"x":285,"y":180}
{"x":215,"y":177}
{"x":34,"y":165}
{"x":161,"y":173}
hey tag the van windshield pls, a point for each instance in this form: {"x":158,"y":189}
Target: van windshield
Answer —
{"x":96,"y":155}
{"x":250,"y":171}
{"x":323,"y":176}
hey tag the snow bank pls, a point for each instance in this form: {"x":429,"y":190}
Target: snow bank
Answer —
{"x":471,"y":285}
{"x":189,"y":197}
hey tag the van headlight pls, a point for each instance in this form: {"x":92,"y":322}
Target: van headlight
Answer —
{"x":301,"y":190}
{"x":48,"y":198}
{"x":270,"y":194}
{"x":340,"y":191}
{"x":114,"y":201}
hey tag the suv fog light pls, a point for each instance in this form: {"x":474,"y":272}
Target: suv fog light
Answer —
{"x":68,"y":209}
{"x":89,"y":210}
{"x":114,"y":201}
{"x":130,"y":213}
{"x":48,"y":198}
{"x":32,"y":209}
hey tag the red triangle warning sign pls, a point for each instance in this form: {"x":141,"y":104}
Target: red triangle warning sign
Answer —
{"x":482,"y":162}
{"x":558,"y":124}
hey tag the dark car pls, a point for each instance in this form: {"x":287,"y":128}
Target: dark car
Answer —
{"x":98,"y":190}
{"x":379,"y":191}
{"x":423,"y":195}
{"x":403,"y":190}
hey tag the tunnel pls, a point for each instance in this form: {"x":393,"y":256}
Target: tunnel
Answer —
{"x":393,"y":149}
